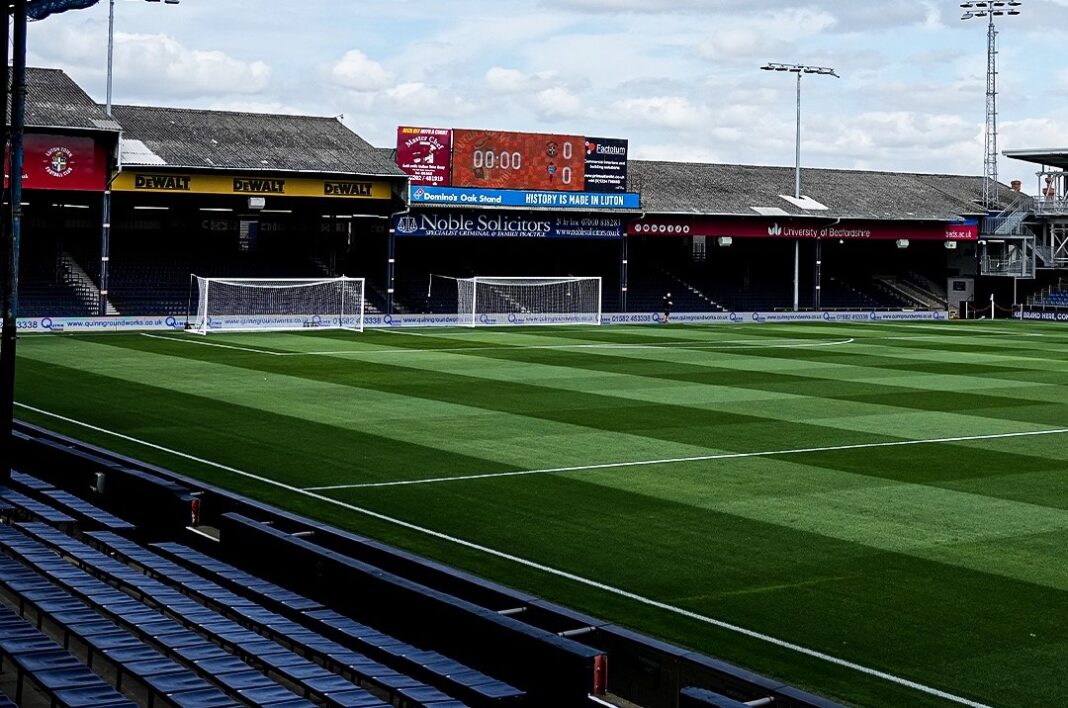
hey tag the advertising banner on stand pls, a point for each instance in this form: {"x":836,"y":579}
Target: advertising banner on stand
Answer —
{"x":65,"y":162}
{"x":425,"y":155}
{"x":469,"y":224}
{"x":811,"y":229}
{"x":457,"y":196}
{"x":606,"y":164}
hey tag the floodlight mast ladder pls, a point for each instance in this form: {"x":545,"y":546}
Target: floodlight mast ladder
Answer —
{"x":991,"y":9}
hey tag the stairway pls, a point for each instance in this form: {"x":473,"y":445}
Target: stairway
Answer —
{"x":88,"y":292}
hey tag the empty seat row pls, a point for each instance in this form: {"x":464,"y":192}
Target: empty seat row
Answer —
{"x":92,"y":619}
{"x":62,"y":678}
{"x":35,"y":509}
{"x":274,"y":625}
{"x":276,"y":659}
{"x":455,"y":677}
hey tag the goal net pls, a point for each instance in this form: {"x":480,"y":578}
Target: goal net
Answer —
{"x":484,"y":301}
{"x":277,"y":304}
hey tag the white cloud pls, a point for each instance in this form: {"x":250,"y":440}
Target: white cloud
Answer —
{"x":557,"y":103}
{"x":358,"y":72}
{"x":661,"y":111}
{"x":501,"y":80}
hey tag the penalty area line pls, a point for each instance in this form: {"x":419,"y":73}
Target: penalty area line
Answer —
{"x":681,"y":460}
{"x":640,"y":599}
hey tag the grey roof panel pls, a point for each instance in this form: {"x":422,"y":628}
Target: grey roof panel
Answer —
{"x":190,"y":138}
{"x":53,"y":100}
{"x":712,"y":189}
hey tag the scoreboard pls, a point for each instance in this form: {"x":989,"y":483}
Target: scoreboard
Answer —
{"x":499,"y":160}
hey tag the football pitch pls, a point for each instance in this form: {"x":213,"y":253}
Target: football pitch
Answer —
{"x":874,"y":512}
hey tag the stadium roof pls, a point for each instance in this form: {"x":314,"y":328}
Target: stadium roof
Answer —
{"x":198,"y":139}
{"x":54,"y":101}
{"x":746,"y":190}
{"x":1049,"y":157}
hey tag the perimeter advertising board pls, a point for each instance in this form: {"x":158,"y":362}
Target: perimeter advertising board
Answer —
{"x":765,"y":228}
{"x":64,"y":162}
{"x":425,"y":155}
{"x":469,"y":224}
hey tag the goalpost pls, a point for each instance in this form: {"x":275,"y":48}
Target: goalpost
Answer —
{"x":276,"y":304}
{"x":488,"y":301}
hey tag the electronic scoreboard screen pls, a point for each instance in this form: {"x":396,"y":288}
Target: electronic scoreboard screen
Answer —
{"x":499,"y":160}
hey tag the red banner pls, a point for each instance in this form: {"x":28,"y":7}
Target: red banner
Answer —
{"x":65,"y":162}
{"x":786,"y":229}
{"x":425,"y":154}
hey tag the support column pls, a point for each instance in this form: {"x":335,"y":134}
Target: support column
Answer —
{"x":10,"y":272}
{"x":391,"y":270}
{"x":797,"y":275}
{"x":105,"y":251}
{"x":819,"y":274}
{"x":624,"y":268}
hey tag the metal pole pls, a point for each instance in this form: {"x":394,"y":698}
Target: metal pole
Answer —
{"x":623,"y":273}
{"x":11,"y":260}
{"x":105,"y":250}
{"x":391,"y":270}
{"x":797,"y":275}
{"x":797,"y":163}
{"x":111,"y":48}
{"x":819,"y":271}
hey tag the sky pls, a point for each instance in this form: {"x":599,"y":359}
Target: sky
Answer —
{"x":680,"y":79}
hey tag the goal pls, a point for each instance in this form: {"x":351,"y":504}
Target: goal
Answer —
{"x":276,"y":304}
{"x":485,"y":301}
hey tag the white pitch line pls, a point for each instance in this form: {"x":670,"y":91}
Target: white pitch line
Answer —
{"x":680,"y":460}
{"x":649,"y":602}
{"x":201,"y":343}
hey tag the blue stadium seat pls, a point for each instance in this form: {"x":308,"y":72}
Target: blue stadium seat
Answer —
{"x":28,"y":482}
{"x":699,"y":697}
{"x":245,"y":643}
{"x":85,"y":512}
{"x":35,"y":509}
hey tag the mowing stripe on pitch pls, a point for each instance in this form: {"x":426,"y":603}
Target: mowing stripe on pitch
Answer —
{"x":680,"y":460}
{"x":738,"y":344}
{"x":649,"y":602}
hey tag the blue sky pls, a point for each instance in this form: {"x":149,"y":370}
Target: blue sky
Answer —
{"x":679,"y":78}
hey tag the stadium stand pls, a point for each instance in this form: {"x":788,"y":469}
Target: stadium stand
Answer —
{"x":270,"y":615}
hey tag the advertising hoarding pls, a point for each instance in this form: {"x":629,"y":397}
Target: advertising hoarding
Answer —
{"x":767,"y":228}
{"x":470,"y":224}
{"x":457,"y":196}
{"x":606,"y":164}
{"x":425,"y":155}
{"x":196,"y":183}
{"x":65,"y":162}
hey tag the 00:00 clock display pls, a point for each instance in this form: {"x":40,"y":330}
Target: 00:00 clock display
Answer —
{"x":490,"y":160}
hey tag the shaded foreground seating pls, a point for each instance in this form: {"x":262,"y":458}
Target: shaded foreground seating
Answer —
{"x":86,"y":512}
{"x":125,"y":649}
{"x":61,"y":677}
{"x":253,"y":648}
{"x":435,"y":668}
{"x":33,"y":509}
{"x":473,"y":685}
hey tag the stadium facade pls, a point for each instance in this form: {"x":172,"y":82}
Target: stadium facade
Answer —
{"x":238,"y":194}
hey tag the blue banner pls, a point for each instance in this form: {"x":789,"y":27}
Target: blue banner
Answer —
{"x":40,"y":9}
{"x":449,"y":223}
{"x":460,"y":196}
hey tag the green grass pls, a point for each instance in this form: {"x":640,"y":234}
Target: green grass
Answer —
{"x":940,"y":563}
